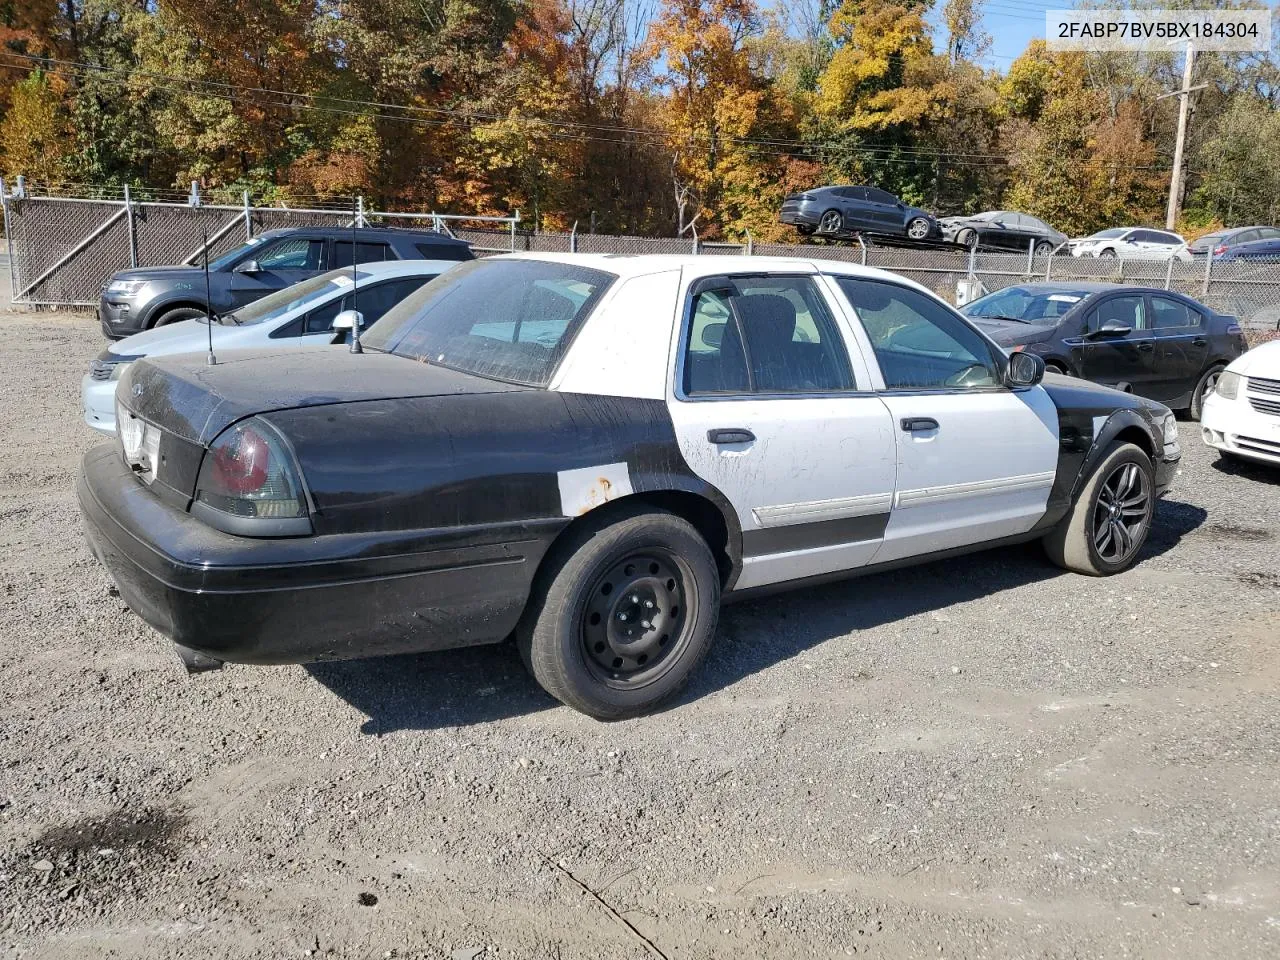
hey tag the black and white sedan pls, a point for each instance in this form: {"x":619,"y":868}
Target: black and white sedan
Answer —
{"x":589,"y":453}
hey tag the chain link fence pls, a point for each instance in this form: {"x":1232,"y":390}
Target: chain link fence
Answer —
{"x":63,"y":248}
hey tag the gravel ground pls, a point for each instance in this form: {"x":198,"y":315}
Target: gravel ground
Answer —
{"x":979,"y":758}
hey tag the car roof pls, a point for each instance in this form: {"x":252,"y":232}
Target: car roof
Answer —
{"x":369,"y":233}
{"x":695,"y":266}
{"x":381,"y":269}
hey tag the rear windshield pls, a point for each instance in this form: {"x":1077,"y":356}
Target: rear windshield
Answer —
{"x":1019,"y":303}
{"x":502,"y":319}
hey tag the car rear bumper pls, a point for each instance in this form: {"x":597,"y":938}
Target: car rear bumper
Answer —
{"x":1233,"y":426}
{"x":98,"y":401}
{"x":253,"y":600}
{"x":799,"y":216}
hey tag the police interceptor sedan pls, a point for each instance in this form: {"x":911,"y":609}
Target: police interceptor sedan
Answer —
{"x":589,"y":453}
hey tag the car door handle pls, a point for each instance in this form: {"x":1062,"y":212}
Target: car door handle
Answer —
{"x":1146,"y":345}
{"x":917,"y":424}
{"x":731,"y":435}
{"x":1199,"y":341}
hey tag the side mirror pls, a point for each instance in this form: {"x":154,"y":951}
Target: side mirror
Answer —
{"x":247,"y":266}
{"x":1113,"y":328}
{"x":347,"y":319}
{"x":1024,"y":370}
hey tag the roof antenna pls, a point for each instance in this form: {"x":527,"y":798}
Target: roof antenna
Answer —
{"x":355,"y":280}
{"x":208,"y":304}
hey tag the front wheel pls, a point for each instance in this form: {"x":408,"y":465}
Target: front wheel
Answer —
{"x":1204,"y":390}
{"x":1110,"y":520}
{"x":177,"y":315}
{"x":622,"y":614}
{"x":967,"y":238}
{"x":1058,"y":368}
{"x":918,"y":228}
{"x":1108,"y":254}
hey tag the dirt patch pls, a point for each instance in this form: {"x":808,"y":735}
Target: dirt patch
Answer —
{"x":1228,"y":531}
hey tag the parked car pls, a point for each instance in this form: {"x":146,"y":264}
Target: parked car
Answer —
{"x":1267,"y":251}
{"x":135,"y":300}
{"x":1003,"y":230}
{"x":1223,"y":240}
{"x":1155,"y":343}
{"x":519,"y":450}
{"x":845,"y":210}
{"x":1131,"y":243}
{"x":295,"y":318}
{"x":1242,"y":414}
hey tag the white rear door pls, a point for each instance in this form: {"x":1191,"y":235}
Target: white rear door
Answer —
{"x":771,"y":408}
{"x":975,"y":460}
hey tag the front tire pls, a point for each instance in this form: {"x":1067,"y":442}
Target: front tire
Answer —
{"x":1108,"y":254}
{"x":918,"y":228}
{"x":622,"y":613}
{"x":177,"y":315}
{"x":1205,"y":386}
{"x":1043,"y":249}
{"x":967,"y":238}
{"x":1111,"y":518}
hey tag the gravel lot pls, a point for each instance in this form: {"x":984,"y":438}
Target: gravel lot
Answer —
{"x":980,"y":758}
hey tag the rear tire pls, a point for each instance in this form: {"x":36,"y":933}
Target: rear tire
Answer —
{"x":830,"y":223}
{"x":1043,"y":249}
{"x":622,"y":613}
{"x":967,"y":238}
{"x":1106,"y":527}
{"x":177,"y":315}
{"x":1204,"y":387}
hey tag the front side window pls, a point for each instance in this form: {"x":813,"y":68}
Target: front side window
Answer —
{"x":1167,"y":313}
{"x":763,"y":335}
{"x":919,"y":343}
{"x":294,"y":254}
{"x":506,"y":320}
{"x":1119,"y":311}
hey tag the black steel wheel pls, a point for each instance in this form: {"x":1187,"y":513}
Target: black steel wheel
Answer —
{"x":1110,"y":519}
{"x":831,"y":222}
{"x":622,"y":611}
{"x":636,"y":617}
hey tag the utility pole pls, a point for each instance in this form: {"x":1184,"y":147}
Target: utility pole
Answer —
{"x":1184,"y":105}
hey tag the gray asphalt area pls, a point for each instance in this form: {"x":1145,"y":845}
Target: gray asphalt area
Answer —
{"x":983,"y":757}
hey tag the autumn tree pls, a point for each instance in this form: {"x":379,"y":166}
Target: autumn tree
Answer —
{"x":34,"y":132}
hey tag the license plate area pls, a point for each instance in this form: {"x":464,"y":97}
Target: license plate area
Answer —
{"x":140,"y":443}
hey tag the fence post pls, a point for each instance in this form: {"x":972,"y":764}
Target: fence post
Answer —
{"x":248,"y":216}
{"x":1031,"y":256}
{"x":20,"y":188}
{"x":193,"y":198}
{"x":750,"y":244}
{"x":514,"y":221}
{"x":1048,"y":266}
{"x":573,"y":238}
{"x":694,"y":232}
{"x":133,"y":238}
{"x":973,"y":262}
{"x":1208,"y":271}
{"x":359,"y":210}
{"x":862,"y":247}
{"x":1168,"y":274}
{"x":8,"y":236}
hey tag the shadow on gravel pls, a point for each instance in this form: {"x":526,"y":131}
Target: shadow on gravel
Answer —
{"x":424,"y":691}
{"x":1247,"y":470}
{"x":483,"y":684}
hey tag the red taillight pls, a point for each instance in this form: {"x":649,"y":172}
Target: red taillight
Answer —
{"x":242,"y":466}
{"x":1220,"y":249}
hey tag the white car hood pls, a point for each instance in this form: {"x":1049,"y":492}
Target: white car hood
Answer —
{"x":1263,"y":361}
{"x":192,"y":336}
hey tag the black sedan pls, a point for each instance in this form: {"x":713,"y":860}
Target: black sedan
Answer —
{"x":1155,"y":343}
{"x":835,"y":211}
{"x":1003,"y":230}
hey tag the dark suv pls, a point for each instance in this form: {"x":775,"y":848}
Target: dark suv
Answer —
{"x":134,"y":300}
{"x":831,"y":211}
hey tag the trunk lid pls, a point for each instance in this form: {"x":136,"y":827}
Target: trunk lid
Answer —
{"x":189,"y":399}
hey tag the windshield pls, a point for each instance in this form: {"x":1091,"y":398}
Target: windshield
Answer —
{"x":1021,"y":303}
{"x":1108,"y":234}
{"x":503,"y":319}
{"x":1209,"y":239}
{"x":227,"y":259}
{"x":307,"y":293}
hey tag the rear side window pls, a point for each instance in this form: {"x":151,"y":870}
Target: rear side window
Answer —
{"x":366,"y":252}
{"x":507,"y":320}
{"x":1167,"y":313}
{"x":442,"y":251}
{"x":918,"y":342}
{"x":1126,"y":311}
{"x":763,"y":335}
{"x":879,"y":196}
